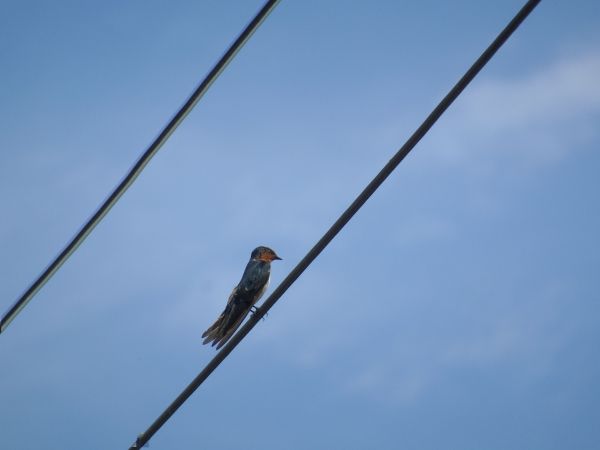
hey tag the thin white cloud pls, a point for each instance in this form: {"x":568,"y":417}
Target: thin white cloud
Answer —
{"x":536,"y":119}
{"x":561,"y":91}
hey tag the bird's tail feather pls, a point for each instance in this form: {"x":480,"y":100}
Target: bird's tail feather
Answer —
{"x":229,"y":332}
{"x":212,"y":332}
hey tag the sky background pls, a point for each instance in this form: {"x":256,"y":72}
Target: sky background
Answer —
{"x":459,"y":309}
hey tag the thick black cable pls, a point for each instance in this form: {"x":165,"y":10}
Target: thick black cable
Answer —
{"x":138,"y":167}
{"x":340,"y":223}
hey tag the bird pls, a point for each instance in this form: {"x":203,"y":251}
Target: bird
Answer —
{"x":248,"y":291}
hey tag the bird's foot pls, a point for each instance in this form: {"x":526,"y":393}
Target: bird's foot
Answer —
{"x":257,"y":310}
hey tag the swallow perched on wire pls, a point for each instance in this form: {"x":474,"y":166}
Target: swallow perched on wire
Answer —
{"x":251,"y":287}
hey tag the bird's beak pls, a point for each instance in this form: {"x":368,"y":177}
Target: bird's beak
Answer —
{"x":276,"y":257}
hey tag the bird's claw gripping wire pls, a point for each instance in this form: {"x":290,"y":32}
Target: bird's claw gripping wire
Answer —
{"x":257,"y":310}
{"x":137,"y":443}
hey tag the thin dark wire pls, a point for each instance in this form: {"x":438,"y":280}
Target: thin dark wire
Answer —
{"x":138,"y":167}
{"x":340,"y":223}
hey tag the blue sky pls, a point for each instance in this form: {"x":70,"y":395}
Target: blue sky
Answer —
{"x":458,"y":310}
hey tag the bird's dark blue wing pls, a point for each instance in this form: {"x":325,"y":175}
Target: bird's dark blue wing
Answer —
{"x":254,"y":279}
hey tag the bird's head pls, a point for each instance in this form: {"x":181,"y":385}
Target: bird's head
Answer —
{"x":264,"y":254}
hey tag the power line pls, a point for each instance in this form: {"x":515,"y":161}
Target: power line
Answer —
{"x":341,"y":222}
{"x":138,"y":167}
